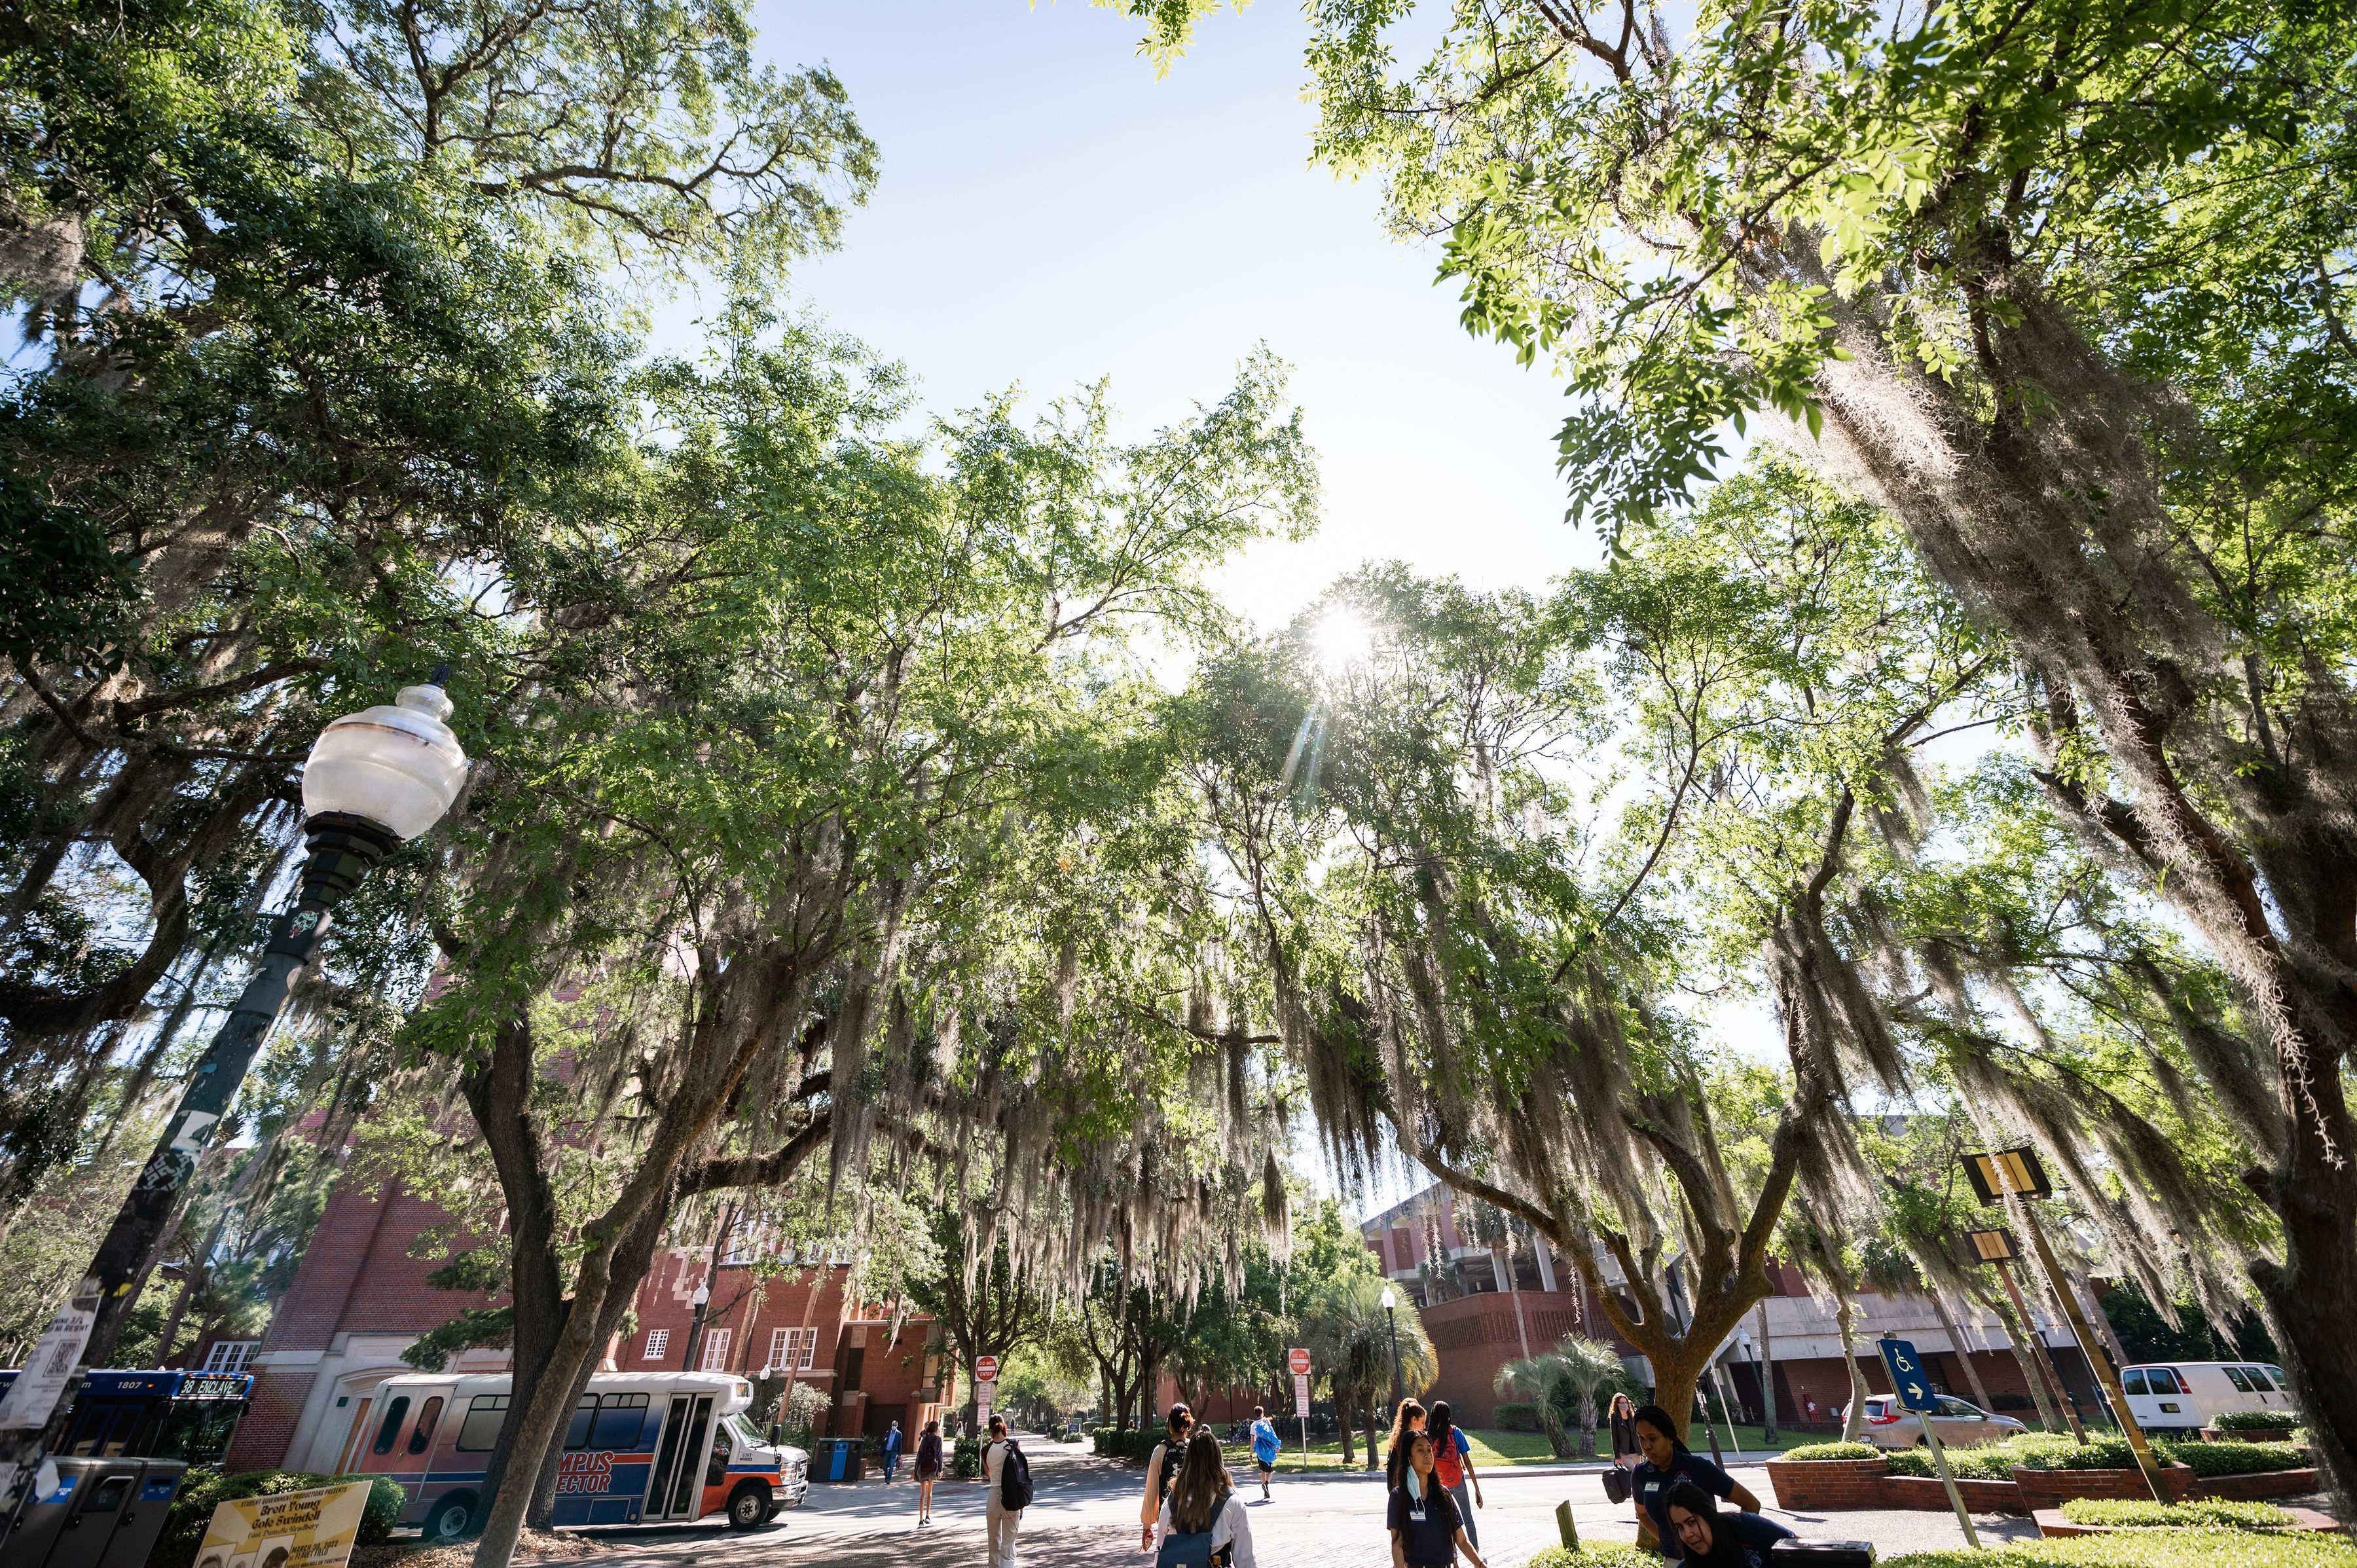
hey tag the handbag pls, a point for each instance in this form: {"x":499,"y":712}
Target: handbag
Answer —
{"x":1615,"y":1485}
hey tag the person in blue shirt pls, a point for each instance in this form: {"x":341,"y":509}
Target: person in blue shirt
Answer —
{"x":1709,"y":1539}
{"x":891,"y":1451}
{"x":1264,"y":1444}
{"x":1667,"y":1462}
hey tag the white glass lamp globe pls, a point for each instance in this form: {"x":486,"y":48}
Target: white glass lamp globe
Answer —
{"x":1390,"y":1298}
{"x":397,"y":764}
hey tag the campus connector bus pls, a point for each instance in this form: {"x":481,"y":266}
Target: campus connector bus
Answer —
{"x":642,"y":1448}
{"x":152,"y":1415}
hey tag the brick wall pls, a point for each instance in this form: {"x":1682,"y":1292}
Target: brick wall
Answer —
{"x":1475,"y":1335}
{"x":1839,"y":1484}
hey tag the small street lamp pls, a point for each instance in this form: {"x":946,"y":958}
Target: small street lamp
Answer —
{"x":1391,"y":1317}
{"x":1760,"y":1375}
{"x":373,"y":780}
{"x":696,"y":1322}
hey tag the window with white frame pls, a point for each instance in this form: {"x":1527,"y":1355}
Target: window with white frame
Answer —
{"x":795,"y":1348}
{"x":657,"y":1341}
{"x":715,"y":1350}
{"x":230,"y":1354}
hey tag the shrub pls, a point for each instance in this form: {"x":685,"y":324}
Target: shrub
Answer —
{"x":1810,"y":1452}
{"x":204,"y":1491}
{"x":2258,"y":1421}
{"x":1606,"y":1556}
{"x":2233,"y":1459}
{"x":2147,"y":1549}
{"x":1518,"y":1415}
{"x":2143,"y":1513}
{"x":1988,"y":1462}
{"x":966,"y":1460}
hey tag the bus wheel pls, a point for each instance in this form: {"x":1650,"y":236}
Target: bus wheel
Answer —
{"x":450,"y":1518}
{"x":748,"y":1506}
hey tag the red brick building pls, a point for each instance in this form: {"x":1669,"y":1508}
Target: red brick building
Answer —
{"x":1480,"y":1317}
{"x":359,"y":1299}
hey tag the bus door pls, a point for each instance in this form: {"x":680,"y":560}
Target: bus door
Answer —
{"x":677,"y":1489}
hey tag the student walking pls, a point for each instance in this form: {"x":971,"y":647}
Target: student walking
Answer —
{"x":1427,"y":1529}
{"x":1008,"y":1475}
{"x":1452,"y":1462}
{"x":891,"y":1453}
{"x":1667,"y":1462}
{"x":1406,"y":1422}
{"x":1162,"y":1470}
{"x":1204,"y":1523}
{"x":1625,"y":1452}
{"x":1266,"y":1444}
{"x":929,"y":1470}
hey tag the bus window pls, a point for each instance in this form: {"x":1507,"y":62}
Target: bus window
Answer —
{"x":427,"y":1417}
{"x":620,"y":1419}
{"x":577,"y":1434}
{"x":480,"y":1430}
{"x":385,"y":1433}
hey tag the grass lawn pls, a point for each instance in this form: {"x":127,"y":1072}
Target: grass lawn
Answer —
{"x":1503,"y":1450}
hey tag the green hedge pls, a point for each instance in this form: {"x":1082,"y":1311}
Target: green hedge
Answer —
{"x":2144,"y":1513}
{"x":1124,"y":1443}
{"x":2144,"y":1548}
{"x":2050,"y":1451}
{"x":204,"y":1491}
{"x":1517,"y":1416}
{"x":2258,"y":1421}
{"x":1810,"y":1452}
{"x":966,"y":1460}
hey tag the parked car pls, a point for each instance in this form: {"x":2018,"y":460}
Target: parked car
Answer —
{"x":2184,"y":1395}
{"x":1960,"y":1423}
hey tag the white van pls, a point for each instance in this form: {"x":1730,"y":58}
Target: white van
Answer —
{"x":2184,"y":1395}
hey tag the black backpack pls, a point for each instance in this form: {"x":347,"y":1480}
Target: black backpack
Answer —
{"x":1174,"y":1459}
{"x":1014,"y":1479}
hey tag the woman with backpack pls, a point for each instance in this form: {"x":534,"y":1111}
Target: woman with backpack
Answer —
{"x":1009,"y":1476}
{"x":929,"y":1470}
{"x":1204,"y":1523}
{"x":1162,"y":1471}
{"x":1427,"y":1530}
{"x":1452,"y":1464}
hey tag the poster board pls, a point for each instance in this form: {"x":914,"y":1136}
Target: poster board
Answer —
{"x":315,"y":1528}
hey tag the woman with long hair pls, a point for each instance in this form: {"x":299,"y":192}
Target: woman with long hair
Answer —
{"x":929,"y":1470}
{"x":1452,"y":1464}
{"x":1668,"y":1461}
{"x":1710,"y":1539}
{"x":1407,"y":1422}
{"x":1204,"y":1523}
{"x":1427,"y":1529}
{"x":1623,"y":1420}
{"x":1163,"y":1468}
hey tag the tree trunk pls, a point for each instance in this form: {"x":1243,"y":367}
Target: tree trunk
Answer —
{"x":1374,"y":1438}
{"x":1963,"y":1352}
{"x":1345,"y":1417}
{"x":1854,"y":1423}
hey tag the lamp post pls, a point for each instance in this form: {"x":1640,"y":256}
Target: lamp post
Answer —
{"x":696,"y":1322}
{"x":1391,"y":1317}
{"x":1997,"y":1248}
{"x":1760,"y":1375}
{"x":373,"y":779}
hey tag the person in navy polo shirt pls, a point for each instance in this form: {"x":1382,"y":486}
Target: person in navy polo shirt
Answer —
{"x":1668,"y":1461}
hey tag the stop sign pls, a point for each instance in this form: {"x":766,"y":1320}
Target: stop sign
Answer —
{"x":986,"y":1368}
{"x":1298,"y":1360}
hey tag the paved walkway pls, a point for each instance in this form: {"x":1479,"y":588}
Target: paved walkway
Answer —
{"x":1085,"y":1516}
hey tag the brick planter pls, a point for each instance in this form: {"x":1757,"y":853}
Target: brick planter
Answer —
{"x":1828,"y":1485}
{"x":2254,"y":1435}
{"x":2266,"y":1484}
{"x":1925,"y":1494}
{"x":2052,"y":1489}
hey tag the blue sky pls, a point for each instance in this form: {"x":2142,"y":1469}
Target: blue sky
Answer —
{"x":1050,"y":213}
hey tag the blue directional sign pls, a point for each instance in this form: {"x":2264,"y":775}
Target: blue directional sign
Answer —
{"x":1907,"y":1375}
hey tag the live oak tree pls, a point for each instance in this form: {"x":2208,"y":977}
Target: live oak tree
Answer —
{"x":2067,"y":288}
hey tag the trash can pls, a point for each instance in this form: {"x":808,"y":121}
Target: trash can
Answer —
{"x":100,"y":1513}
{"x":840,"y":1458}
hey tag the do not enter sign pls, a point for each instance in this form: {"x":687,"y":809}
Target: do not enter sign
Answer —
{"x":986,"y":1368}
{"x":1298,"y":1362}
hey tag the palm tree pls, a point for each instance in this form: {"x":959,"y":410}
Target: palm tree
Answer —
{"x":1349,"y":1334}
{"x":1563,"y":1381}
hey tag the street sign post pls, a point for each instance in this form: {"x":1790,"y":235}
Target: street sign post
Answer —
{"x":986,"y":1368}
{"x":985,"y":1391}
{"x":1297,"y":1360}
{"x":1915,"y":1389}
